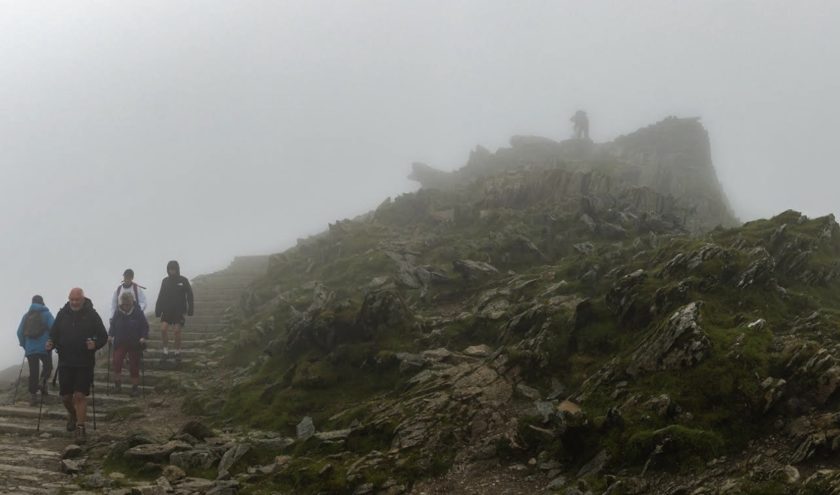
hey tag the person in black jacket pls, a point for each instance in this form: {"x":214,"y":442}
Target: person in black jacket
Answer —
{"x":76,"y":334}
{"x":175,"y":299}
{"x":129,"y":331}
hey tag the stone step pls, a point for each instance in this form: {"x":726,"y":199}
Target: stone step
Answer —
{"x":17,"y":426}
{"x":52,"y":411}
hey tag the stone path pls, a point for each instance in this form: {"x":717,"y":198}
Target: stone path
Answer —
{"x":30,"y":458}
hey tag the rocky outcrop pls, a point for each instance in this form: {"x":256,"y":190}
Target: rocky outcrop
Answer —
{"x":679,"y":343}
{"x":664,"y":169}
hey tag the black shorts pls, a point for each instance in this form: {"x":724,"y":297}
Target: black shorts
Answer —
{"x":173,"y":318}
{"x":73,"y":379}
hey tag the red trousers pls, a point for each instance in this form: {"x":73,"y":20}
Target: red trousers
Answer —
{"x":133,"y":361}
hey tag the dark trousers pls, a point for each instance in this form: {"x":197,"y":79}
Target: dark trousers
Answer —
{"x":34,"y":361}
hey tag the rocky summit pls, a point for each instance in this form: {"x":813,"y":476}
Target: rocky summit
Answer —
{"x":555,"y":317}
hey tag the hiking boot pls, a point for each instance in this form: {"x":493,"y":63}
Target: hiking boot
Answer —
{"x":33,"y":399}
{"x":117,"y":387}
{"x":135,"y":391}
{"x":81,"y":435}
{"x":71,"y":422}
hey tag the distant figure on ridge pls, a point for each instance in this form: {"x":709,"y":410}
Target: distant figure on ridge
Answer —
{"x":33,"y":333}
{"x":128,"y":285}
{"x":175,"y":299}
{"x":77,"y":333}
{"x":581,"y":124}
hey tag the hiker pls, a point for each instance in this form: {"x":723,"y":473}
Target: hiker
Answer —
{"x":128,"y":333}
{"x":128,"y":285}
{"x":581,"y":124}
{"x":77,"y":333}
{"x":33,"y":333}
{"x":175,"y":299}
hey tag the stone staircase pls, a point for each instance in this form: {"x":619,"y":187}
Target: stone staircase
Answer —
{"x":30,"y":458}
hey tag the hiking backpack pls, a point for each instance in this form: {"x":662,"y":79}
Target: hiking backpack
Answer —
{"x":34,"y":325}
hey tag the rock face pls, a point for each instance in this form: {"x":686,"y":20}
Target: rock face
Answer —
{"x":671,"y":159}
{"x":679,"y":343}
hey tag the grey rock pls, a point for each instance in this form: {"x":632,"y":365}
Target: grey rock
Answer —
{"x":474,"y":270}
{"x":72,"y":451}
{"x":232,"y":456}
{"x":72,"y":466}
{"x":305,"y":429}
{"x":156,"y":452}
{"x":193,"y":459}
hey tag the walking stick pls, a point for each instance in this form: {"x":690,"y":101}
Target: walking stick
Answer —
{"x":20,"y":373}
{"x":108,"y":376}
{"x":93,"y":393}
{"x":142,"y":372}
{"x":41,"y":403}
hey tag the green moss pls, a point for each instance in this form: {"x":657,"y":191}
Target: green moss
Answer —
{"x":681,"y":446}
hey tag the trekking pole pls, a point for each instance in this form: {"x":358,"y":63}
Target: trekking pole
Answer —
{"x":142,"y":372}
{"x":93,"y":393}
{"x":108,"y":376}
{"x":41,"y":403}
{"x":20,"y":373}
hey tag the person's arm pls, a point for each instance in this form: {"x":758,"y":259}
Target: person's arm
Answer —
{"x":100,"y":335}
{"x":144,"y":327}
{"x":49,"y":320}
{"x":20,"y":332}
{"x":161,"y":295}
{"x":114,"y":302}
{"x":190,"y":299}
{"x":52,"y":342}
{"x":141,"y":296}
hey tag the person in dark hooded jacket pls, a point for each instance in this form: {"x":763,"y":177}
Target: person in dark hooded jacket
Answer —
{"x":77,"y":333}
{"x":129,"y":331}
{"x":33,"y":333}
{"x":175,"y":300}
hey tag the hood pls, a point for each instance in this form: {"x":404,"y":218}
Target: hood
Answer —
{"x":173,"y":265}
{"x":87,"y":306}
{"x":38,"y":307}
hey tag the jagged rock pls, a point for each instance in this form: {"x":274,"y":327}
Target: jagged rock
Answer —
{"x":584,"y":248}
{"x":383,"y":310}
{"x":193,"y":459}
{"x":305,"y":429}
{"x":528,"y":392}
{"x":334,"y":435}
{"x":759,"y":272}
{"x":680,"y":342}
{"x":72,"y":451}
{"x":480,"y":351}
{"x":224,"y":487}
{"x":232,"y":456}
{"x":595,"y":465}
{"x":757,"y":324}
{"x":473,"y":270}
{"x":622,"y":299}
{"x":173,"y":473}
{"x":773,"y":391}
{"x":155,"y":452}
{"x":72,"y":466}
{"x":197,"y":429}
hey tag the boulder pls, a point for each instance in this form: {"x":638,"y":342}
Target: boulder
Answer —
{"x":474,"y":270}
{"x":305,"y":429}
{"x":678,"y":343}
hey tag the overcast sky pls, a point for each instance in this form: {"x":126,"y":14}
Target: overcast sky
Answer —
{"x":132,"y":133}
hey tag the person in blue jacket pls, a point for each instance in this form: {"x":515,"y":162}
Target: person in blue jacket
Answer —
{"x":33,"y":333}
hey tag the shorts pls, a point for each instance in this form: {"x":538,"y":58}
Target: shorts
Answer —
{"x":73,"y":379}
{"x":173,"y":318}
